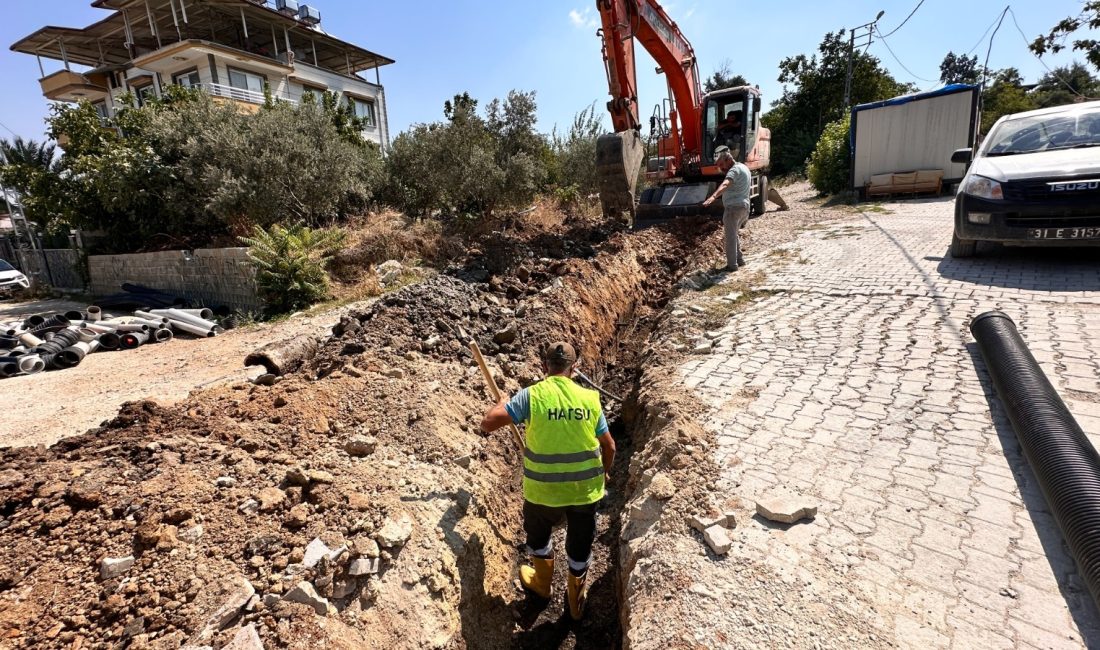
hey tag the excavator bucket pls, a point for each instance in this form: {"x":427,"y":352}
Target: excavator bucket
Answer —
{"x":673,"y":201}
{"x":618,"y":163}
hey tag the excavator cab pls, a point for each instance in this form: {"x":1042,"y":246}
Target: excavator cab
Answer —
{"x":731,"y":117}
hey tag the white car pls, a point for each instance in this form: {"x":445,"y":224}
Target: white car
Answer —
{"x":11,"y":280}
{"x":1035,"y":181}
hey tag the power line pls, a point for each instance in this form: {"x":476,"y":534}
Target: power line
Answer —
{"x":988,"y":50}
{"x":904,"y":21}
{"x":1027,"y":43}
{"x":982,"y":39}
{"x":9,"y":130}
{"x":891,"y":51}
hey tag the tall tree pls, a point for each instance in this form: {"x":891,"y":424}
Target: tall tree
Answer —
{"x":959,"y":69}
{"x":27,"y":152}
{"x":1065,"y":85}
{"x":723,"y":77}
{"x":1004,"y":95}
{"x":1055,"y":40}
{"x":813,"y":96}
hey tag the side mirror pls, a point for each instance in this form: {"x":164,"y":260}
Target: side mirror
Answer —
{"x":756,"y":105}
{"x":963,"y":156}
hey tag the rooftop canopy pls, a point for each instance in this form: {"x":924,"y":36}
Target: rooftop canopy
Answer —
{"x":138,"y":27}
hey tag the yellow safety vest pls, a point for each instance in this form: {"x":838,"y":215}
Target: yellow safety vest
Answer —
{"x":561,"y":462}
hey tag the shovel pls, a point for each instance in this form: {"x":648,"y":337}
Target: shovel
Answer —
{"x":494,"y":392}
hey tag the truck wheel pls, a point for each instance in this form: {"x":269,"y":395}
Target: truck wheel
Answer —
{"x":759,"y":204}
{"x":962,"y":247}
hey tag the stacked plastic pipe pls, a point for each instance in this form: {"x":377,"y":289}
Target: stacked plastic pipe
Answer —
{"x":62,"y":340}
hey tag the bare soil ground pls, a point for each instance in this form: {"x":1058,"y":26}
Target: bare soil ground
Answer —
{"x":372,"y":446}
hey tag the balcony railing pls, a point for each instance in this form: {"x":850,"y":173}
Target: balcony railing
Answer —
{"x":239,"y":94}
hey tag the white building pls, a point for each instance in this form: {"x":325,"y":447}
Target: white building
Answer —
{"x":233,"y":49}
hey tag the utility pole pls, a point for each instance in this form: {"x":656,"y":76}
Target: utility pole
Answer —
{"x":854,"y":34}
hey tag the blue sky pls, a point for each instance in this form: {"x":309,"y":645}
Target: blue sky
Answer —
{"x":488,"y":47}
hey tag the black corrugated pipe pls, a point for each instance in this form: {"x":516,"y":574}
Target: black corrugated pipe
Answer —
{"x":109,"y":341}
{"x":1065,"y":463}
{"x":7,"y":342}
{"x":52,"y":324}
{"x":9,"y":369}
{"x":71,"y":356}
{"x":76,"y":316}
{"x":33,"y":321}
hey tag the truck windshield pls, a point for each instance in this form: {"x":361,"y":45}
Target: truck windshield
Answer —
{"x":1067,"y":130}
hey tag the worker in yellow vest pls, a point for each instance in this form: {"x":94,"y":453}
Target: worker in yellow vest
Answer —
{"x":568,"y":457}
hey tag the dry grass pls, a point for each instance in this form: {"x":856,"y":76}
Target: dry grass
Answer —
{"x":390,"y":235}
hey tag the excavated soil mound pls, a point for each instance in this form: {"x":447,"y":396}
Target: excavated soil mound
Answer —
{"x":353,"y":504}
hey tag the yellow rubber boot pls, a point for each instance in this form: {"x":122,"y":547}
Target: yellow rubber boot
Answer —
{"x":539,"y":577}
{"x":578,"y":595}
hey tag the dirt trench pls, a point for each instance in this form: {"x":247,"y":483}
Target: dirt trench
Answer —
{"x":376,"y":434}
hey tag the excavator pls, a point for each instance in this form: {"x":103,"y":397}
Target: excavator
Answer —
{"x":684,"y":130}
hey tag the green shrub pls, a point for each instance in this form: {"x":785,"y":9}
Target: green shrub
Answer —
{"x":469,"y":165}
{"x":290,"y":264}
{"x":829,"y":164}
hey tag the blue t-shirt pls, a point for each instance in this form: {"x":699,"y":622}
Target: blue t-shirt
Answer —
{"x":519,"y":407}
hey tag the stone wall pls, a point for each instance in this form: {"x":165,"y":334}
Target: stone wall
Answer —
{"x":210,"y":276}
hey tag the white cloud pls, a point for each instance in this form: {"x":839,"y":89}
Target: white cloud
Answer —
{"x":690,"y":12}
{"x":583,"y":19}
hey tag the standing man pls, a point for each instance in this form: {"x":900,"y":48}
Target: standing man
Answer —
{"x":735,"y":191}
{"x":568,"y":457}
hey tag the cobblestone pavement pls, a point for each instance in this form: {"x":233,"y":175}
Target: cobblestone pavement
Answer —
{"x":851,"y":377}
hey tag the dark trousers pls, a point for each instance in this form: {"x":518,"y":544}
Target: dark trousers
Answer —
{"x":580,"y":531}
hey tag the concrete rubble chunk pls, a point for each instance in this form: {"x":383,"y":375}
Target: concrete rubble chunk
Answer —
{"x":239,"y":591}
{"x":662,"y":487}
{"x":395,"y":531}
{"x":785,"y":509}
{"x":321,"y":476}
{"x":112,"y":567}
{"x":225,"y":481}
{"x":246,"y":638}
{"x":318,"y":550}
{"x":191,"y":535}
{"x":270,"y":498}
{"x":717,"y":539}
{"x":361,"y":445}
{"x":395,"y":373}
{"x":363,"y":566}
{"x":304,"y":593}
{"x":249,"y":507}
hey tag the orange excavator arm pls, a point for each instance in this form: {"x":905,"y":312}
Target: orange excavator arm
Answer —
{"x":645,"y":20}
{"x":619,"y":155}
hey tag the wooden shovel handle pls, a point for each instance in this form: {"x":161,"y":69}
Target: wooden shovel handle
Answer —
{"x":494,"y":392}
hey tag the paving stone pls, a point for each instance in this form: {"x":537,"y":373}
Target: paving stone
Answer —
{"x":786,"y":509}
{"x":717,"y":539}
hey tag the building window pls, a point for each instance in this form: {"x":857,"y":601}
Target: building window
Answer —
{"x":101,"y":109}
{"x":145,"y":94}
{"x":363,"y":110}
{"x":187,"y":79}
{"x":249,"y":81}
